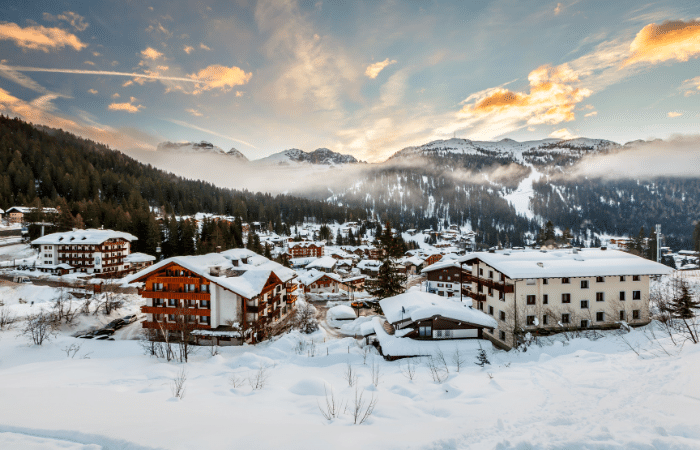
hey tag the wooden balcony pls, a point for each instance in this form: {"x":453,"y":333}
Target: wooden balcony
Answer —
{"x":176,"y":280}
{"x":505,"y":288}
{"x":176,"y":295}
{"x":476,"y":296}
{"x":291,"y":299}
{"x":176,"y":311}
{"x":262,"y":306}
{"x":174,"y":326}
{"x":291,"y":288}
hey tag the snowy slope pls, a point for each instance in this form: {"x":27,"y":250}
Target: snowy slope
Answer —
{"x":202,"y":147}
{"x":320,"y":156}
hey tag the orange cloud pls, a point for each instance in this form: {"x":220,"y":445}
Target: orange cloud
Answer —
{"x":562,"y":134}
{"x":373,"y":69}
{"x":672,"y":40}
{"x":188,"y":49}
{"x":37,"y":37}
{"x":75,"y":20}
{"x":673,"y":114}
{"x":127,"y":106}
{"x":151,"y":53}
{"x":591,"y":114}
{"x":552,"y":99}
{"x":220,"y":77}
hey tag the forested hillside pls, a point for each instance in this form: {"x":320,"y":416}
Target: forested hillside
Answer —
{"x":96,"y":186}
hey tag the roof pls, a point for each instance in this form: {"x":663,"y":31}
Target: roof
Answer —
{"x":305,"y":244}
{"x":90,"y":236}
{"x":138,"y":257}
{"x":441,"y":265}
{"x":28,"y":209}
{"x":418,"y":305}
{"x":326,"y":262}
{"x":314,"y":275}
{"x":567,"y":263}
{"x":248,"y":284}
{"x":55,"y":266}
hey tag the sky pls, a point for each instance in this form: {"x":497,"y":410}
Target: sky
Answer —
{"x":362,"y":78}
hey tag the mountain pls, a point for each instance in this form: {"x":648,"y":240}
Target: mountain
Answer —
{"x":202,"y":147}
{"x":320,"y":156}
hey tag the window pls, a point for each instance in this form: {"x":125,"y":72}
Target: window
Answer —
{"x":565,"y":318}
{"x":545,"y":281}
{"x":584,"y":304}
{"x":490,"y":309}
{"x":491,"y":274}
{"x":502,"y":278}
{"x":622,"y":296}
{"x":531,"y":321}
{"x":204,"y":304}
{"x":441,"y":293}
{"x":172,"y":302}
{"x":600,"y":316}
{"x":584,"y":323}
{"x":600,"y":296}
{"x":490,"y":292}
{"x":448,"y":333}
{"x":426,"y":331}
{"x":565,"y":281}
{"x":502,"y":315}
{"x":502,"y":335}
{"x":531,"y":281}
{"x":204,"y":288}
{"x":584,"y":284}
{"x":635,"y":314}
{"x":171,"y":317}
{"x":566,"y":298}
{"x":438,"y":333}
{"x":440,"y":277}
{"x":635,"y":277}
{"x":622,"y":278}
{"x":622,"y":315}
{"x":204,"y":320}
{"x":481,"y":272}
{"x":545,"y":319}
{"x":440,"y":284}
{"x":545,"y":299}
{"x":531,"y":299}
{"x":599,"y":280}
{"x":636,"y":295}
{"x":158,"y":317}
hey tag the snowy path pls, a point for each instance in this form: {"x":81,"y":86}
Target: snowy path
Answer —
{"x":520,"y":198}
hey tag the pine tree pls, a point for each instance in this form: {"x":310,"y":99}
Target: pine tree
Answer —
{"x":549,"y":234}
{"x":481,"y":358}
{"x":389,"y":281}
{"x":683,"y":307}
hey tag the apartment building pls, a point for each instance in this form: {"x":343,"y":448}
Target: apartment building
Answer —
{"x":544,"y":292}
{"x":230,"y":296}
{"x":99,"y":252}
{"x":305,"y":249}
{"x":445,"y":278}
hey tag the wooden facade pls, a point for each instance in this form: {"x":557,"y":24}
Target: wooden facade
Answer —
{"x":304,"y":250}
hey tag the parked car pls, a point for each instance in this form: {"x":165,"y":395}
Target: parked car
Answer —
{"x":130,"y":319}
{"x":116,"y":324}
{"x":86,"y":336}
{"x":104,"y":337}
{"x":21,"y":279}
{"x":104,"y":331}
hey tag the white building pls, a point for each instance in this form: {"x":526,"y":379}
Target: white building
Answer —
{"x":101,"y":252}
{"x":541,"y":292}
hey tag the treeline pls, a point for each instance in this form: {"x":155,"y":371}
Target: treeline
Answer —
{"x":95,"y":186}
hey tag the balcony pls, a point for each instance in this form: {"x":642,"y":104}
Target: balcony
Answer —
{"x":176,"y":295}
{"x":505,"y":288}
{"x":291,"y":299}
{"x":176,"y":311}
{"x":262,"y":306}
{"x":292,"y":287}
{"x":176,"y":280}
{"x":174,"y":326}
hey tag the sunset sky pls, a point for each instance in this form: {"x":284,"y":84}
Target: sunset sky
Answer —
{"x":364,"y":78}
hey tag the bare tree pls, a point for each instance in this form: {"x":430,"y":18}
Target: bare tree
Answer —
{"x":362,"y":409}
{"x":71,"y":350}
{"x":458,"y":358}
{"x":436,"y":370}
{"x":40,"y":327}
{"x":333,"y":407}
{"x":258,"y":379}
{"x":409,"y":369}
{"x":236,"y":380}
{"x":350,"y":375}
{"x":7,"y":318}
{"x":376,"y":372}
{"x":440,"y":359}
{"x":110,"y":299}
{"x":63,"y":306}
{"x":178,"y":386}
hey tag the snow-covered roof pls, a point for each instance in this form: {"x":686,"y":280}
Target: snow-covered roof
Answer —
{"x":313,"y":275}
{"x":28,"y":209}
{"x":589,"y":262}
{"x":372,"y":264}
{"x":139,"y":258}
{"x":90,"y":236}
{"x":441,"y":265}
{"x":341,"y":312}
{"x":415,"y":260}
{"x":418,"y":305}
{"x":248,"y":284}
{"x":55,"y":266}
{"x":305,"y":244}
{"x":325,"y":262}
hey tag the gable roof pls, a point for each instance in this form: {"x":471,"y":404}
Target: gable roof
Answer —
{"x":90,"y":236}
{"x":314,"y":275}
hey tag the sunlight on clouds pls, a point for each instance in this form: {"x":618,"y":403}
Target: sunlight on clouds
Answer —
{"x":75,"y":20}
{"x":194,"y":112}
{"x":92,"y":91}
{"x":203,"y":47}
{"x":374,"y":69}
{"x":127,"y":106}
{"x":151,"y":53}
{"x":673,"y":114}
{"x":37,"y":37}
{"x":591,"y":114}
{"x":562,"y":134}
{"x":188,"y":49}
{"x":558,"y":9}
{"x":691,"y":86}
{"x":220,"y":77}
{"x":551,"y":100}
{"x":672,"y":40}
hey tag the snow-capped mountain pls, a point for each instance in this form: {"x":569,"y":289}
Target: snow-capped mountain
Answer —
{"x":320,"y":156}
{"x":202,"y":147}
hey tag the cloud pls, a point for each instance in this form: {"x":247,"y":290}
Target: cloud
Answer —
{"x":89,"y":63}
{"x":151,"y":53}
{"x":204,"y":47}
{"x":672,"y":40}
{"x":92,"y":91}
{"x":194,"y":112}
{"x":691,"y":86}
{"x":220,"y":77}
{"x":558,"y":9}
{"x":115,"y":95}
{"x":591,"y":114}
{"x":188,"y":49}
{"x":373,"y":69}
{"x":552,"y":99}
{"x":75,"y":20}
{"x":149,"y":75}
{"x":673,"y":114}
{"x":37,"y":37}
{"x":562,"y":134}
{"x":127,"y":106}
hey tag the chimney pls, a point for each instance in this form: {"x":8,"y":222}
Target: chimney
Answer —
{"x":218,"y":249}
{"x":214,"y":271}
{"x":234,"y":262}
{"x":603,"y":248}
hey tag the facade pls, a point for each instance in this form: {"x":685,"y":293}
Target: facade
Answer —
{"x":138,"y":261}
{"x":230,"y":297}
{"x":543,"y":292}
{"x":16,"y":214}
{"x":425,"y":316}
{"x":99,"y":252}
{"x":445,"y":279}
{"x":432,"y":259}
{"x":317,"y":282}
{"x":305,"y":249}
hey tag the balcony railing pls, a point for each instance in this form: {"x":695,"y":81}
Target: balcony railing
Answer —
{"x":506,"y":288}
{"x":176,"y":311}
{"x":174,"y":326}
{"x":176,"y":280}
{"x":291,"y":298}
{"x":176,"y":295}
{"x":262,"y":306}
